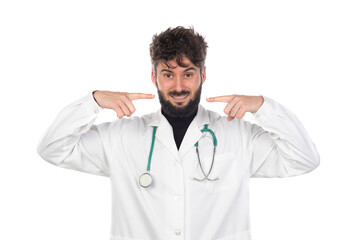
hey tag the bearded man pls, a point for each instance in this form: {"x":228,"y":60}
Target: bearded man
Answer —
{"x":181,"y":172}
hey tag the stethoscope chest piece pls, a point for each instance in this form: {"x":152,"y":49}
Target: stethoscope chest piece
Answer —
{"x":145,"y":180}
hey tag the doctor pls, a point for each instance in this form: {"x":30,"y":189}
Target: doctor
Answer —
{"x":181,"y":172}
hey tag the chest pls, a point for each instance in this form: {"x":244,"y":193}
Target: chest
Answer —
{"x":201,"y":168}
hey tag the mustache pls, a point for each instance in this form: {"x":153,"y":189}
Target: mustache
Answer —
{"x":175,"y":93}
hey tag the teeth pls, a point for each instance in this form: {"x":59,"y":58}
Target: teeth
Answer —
{"x":180,"y":97}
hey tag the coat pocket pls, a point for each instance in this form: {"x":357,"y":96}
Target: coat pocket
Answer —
{"x":225,"y":167}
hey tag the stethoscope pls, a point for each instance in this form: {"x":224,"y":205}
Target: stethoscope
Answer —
{"x":145,"y":180}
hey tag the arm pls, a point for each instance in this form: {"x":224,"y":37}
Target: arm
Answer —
{"x":72,"y":141}
{"x":278,"y":145}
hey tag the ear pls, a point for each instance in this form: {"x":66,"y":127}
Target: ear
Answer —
{"x":203,"y":76}
{"x":153,"y":78}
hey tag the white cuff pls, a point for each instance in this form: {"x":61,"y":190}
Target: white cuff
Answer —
{"x":91,"y":104}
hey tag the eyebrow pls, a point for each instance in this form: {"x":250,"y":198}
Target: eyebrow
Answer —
{"x":188,"y":69}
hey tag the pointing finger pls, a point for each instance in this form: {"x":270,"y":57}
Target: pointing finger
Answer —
{"x":136,"y":96}
{"x":224,"y":99}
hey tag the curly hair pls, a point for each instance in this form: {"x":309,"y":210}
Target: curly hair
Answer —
{"x":174,"y":43}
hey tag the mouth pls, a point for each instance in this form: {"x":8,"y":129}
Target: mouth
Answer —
{"x":180,"y":98}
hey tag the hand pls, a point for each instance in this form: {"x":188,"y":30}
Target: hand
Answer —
{"x":120,"y":102}
{"x":238,"y":105}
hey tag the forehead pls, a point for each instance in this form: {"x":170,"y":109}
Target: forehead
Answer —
{"x":173,"y":65}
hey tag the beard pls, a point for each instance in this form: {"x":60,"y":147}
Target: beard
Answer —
{"x":180,"y":112}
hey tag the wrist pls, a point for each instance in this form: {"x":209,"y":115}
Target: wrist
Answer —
{"x":94,"y":96}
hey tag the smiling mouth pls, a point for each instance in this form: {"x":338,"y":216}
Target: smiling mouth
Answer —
{"x":180,"y":97}
{"x":179,"y":100}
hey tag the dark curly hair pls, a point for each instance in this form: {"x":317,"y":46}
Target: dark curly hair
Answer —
{"x":173,"y":43}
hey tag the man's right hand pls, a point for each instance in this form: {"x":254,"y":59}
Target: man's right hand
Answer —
{"x":120,"y":102}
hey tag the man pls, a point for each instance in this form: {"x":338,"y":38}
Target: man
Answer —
{"x":182,"y":172}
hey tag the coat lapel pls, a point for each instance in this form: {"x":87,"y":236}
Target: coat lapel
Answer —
{"x":193,"y":134}
{"x":164,"y":132}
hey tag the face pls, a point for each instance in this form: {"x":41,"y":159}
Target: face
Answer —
{"x":179,"y":87}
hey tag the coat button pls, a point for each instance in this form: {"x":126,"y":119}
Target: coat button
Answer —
{"x":96,"y":111}
{"x":177,"y":163}
{"x":177,"y":232}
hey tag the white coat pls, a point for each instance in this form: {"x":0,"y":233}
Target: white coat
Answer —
{"x":174,"y":206}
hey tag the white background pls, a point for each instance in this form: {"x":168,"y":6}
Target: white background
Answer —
{"x":303,"y":54}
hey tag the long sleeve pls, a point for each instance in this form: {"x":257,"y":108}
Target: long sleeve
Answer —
{"x":72,"y":141}
{"x":279,"y":144}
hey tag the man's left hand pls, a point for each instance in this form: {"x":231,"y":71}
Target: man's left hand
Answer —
{"x":238,"y":105}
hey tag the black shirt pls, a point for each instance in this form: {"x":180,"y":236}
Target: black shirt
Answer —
{"x":179,"y":125}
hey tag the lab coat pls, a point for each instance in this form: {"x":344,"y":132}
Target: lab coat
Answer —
{"x":175,"y":206}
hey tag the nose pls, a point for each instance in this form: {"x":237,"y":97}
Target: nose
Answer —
{"x":178,"y":84}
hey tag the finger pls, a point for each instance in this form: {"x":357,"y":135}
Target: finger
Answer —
{"x":226,"y":99}
{"x":129,"y":105}
{"x":234,"y":110}
{"x":135,"y":96}
{"x":230,"y":118}
{"x":240,"y":114}
{"x":229,"y":107}
{"x":119,"y":111}
{"x":124,"y":108}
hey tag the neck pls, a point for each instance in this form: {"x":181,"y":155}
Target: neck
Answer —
{"x":180,"y":125}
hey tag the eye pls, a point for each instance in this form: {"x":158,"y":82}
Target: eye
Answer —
{"x":188,"y":75}
{"x":168,"y":75}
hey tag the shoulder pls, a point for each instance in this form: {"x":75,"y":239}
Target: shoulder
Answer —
{"x":131,"y":125}
{"x":217,"y":119}
{"x":220,"y":122}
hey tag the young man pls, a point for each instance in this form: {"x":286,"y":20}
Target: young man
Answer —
{"x":182,"y":172}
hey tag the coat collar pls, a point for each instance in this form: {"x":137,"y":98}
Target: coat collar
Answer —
{"x":193,"y":134}
{"x":201,"y":118}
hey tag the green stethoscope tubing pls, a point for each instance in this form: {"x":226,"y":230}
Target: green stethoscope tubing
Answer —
{"x":206,"y":176}
{"x":206,"y":129}
{"x":145,"y":179}
{"x":151,"y":148}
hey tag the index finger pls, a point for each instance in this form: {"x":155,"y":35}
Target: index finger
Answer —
{"x":136,"y":96}
{"x":225,"y":99}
